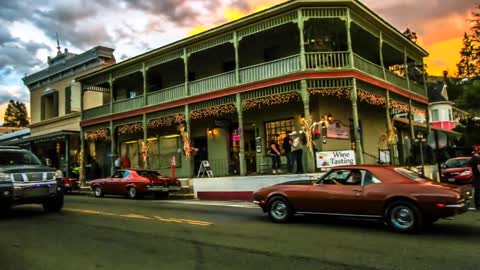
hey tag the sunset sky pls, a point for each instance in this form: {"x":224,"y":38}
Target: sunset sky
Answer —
{"x":131,"y":27}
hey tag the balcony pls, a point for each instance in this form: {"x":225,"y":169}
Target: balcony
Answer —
{"x":166,"y":95}
{"x":128,"y":104}
{"x":318,"y":61}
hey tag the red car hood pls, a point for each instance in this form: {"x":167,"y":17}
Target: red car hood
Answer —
{"x":452,"y":170}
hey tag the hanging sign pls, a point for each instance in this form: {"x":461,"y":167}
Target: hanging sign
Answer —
{"x":205,"y":169}
{"x":337,"y":130}
{"x":335,"y":158}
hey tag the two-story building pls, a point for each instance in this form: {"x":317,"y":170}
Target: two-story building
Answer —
{"x":235,"y":87}
{"x":55,"y":106}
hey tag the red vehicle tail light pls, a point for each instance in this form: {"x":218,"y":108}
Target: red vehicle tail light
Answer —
{"x":440,"y":205}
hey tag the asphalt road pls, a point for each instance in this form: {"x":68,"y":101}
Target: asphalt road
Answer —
{"x":116,"y":233}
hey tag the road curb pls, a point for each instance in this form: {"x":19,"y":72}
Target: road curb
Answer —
{"x":88,"y":192}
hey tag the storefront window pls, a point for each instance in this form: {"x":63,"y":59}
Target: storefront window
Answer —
{"x":280,"y":128}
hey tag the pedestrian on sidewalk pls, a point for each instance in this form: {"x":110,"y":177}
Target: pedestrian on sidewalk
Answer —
{"x":475,"y":164}
{"x":275,"y":155}
{"x":297,"y":151}
{"x":287,"y":146}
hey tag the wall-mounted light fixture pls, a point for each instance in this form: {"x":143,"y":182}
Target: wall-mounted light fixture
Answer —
{"x":210,"y":132}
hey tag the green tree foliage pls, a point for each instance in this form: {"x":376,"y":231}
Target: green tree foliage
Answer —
{"x":468,"y":66}
{"x":16,"y":115}
{"x":470,"y":100}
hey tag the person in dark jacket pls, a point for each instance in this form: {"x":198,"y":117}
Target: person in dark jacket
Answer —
{"x":287,"y":146}
{"x":275,"y":155}
{"x":475,"y":164}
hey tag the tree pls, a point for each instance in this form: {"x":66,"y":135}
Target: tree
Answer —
{"x":411,"y":35}
{"x":471,"y":97}
{"x":468,"y":66}
{"x":16,"y":115}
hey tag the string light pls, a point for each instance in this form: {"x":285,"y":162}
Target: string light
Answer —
{"x":338,"y":92}
{"x":130,"y":129}
{"x":370,"y":98}
{"x":214,"y":111}
{"x":166,"y":121}
{"x":398,"y":106}
{"x":97,"y":135}
{"x":270,"y":100}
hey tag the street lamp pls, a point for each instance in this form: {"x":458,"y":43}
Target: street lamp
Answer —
{"x":420,"y":139}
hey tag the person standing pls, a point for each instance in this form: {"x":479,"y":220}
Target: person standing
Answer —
{"x":297,"y":151}
{"x":287,"y":146}
{"x":116,"y":163}
{"x":275,"y":155}
{"x":474,"y":164}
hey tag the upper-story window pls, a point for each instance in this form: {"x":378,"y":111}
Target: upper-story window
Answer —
{"x":49,"y":104}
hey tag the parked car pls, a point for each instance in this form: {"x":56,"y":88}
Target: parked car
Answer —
{"x":457,"y":170}
{"x":404,"y":199}
{"x":135,"y":183}
{"x":71,"y":184}
{"x":24,"y":180}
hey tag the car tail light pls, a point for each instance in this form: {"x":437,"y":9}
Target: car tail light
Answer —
{"x":465,"y":173}
{"x":440,"y":205}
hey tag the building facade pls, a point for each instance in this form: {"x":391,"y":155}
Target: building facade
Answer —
{"x":55,"y":106}
{"x":234,"y":88}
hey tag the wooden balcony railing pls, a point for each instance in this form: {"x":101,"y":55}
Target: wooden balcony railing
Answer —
{"x":212,"y":83}
{"x":367,"y":66}
{"x":327,"y":60}
{"x":128,"y":104}
{"x":96,"y":112}
{"x":270,"y":69}
{"x":167,"y":94}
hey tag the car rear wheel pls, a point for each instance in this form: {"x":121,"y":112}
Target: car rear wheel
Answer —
{"x":132,"y":193}
{"x":54,"y":204}
{"x":279,"y":210}
{"x":97,"y":191}
{"x":404,"y":216}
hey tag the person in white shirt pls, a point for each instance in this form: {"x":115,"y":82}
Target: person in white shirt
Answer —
{"x":297,"y":151}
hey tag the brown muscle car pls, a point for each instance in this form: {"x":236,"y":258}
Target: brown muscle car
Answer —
{"x":402,"y":198}
{"x":135,"y":183}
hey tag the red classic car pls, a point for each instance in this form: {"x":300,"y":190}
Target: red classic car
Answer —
{"x":404,"y":199}
{"x":135,"y":183}
{"x":457,"y":170}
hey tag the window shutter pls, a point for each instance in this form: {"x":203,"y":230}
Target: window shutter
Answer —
{"x":68,"y":99}
{"x":42,"y":108}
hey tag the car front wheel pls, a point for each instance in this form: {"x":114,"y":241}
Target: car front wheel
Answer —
{"x":97,"y":191}
{"x":279,"y":210}
{"x":132,"y":193}
{"x":404,"y":216}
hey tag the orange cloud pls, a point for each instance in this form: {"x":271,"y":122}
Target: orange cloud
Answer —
{"x":444,"y":55}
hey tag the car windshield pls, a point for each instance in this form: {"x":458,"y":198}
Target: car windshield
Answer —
{"x":411,"y":174}
{"x":148,"y":173}
{"x":457,"y":163}
{"x":18,"y":157}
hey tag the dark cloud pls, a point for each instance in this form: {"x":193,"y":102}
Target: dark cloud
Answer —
{"x":177,"y":11}
{"x":415,"y":14}
{"x":20,"y":56}
{"x":5,"y":36}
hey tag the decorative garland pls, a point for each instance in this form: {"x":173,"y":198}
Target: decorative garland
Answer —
{"x":398,"y":106}
{"x":144,"y":154}
{"x":370,"y":98}
{"x":214,"y":111}
{"x":166,"y":121}
{"x":186,"y":141}
{"x":270,"y":100}
{"x":130,"y":129}
{"x":338,"y":92}
{"x":417,"y":111}
{"x":97,"y":135}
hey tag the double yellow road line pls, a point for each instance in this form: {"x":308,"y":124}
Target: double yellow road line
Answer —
{"x":137,"y":216}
